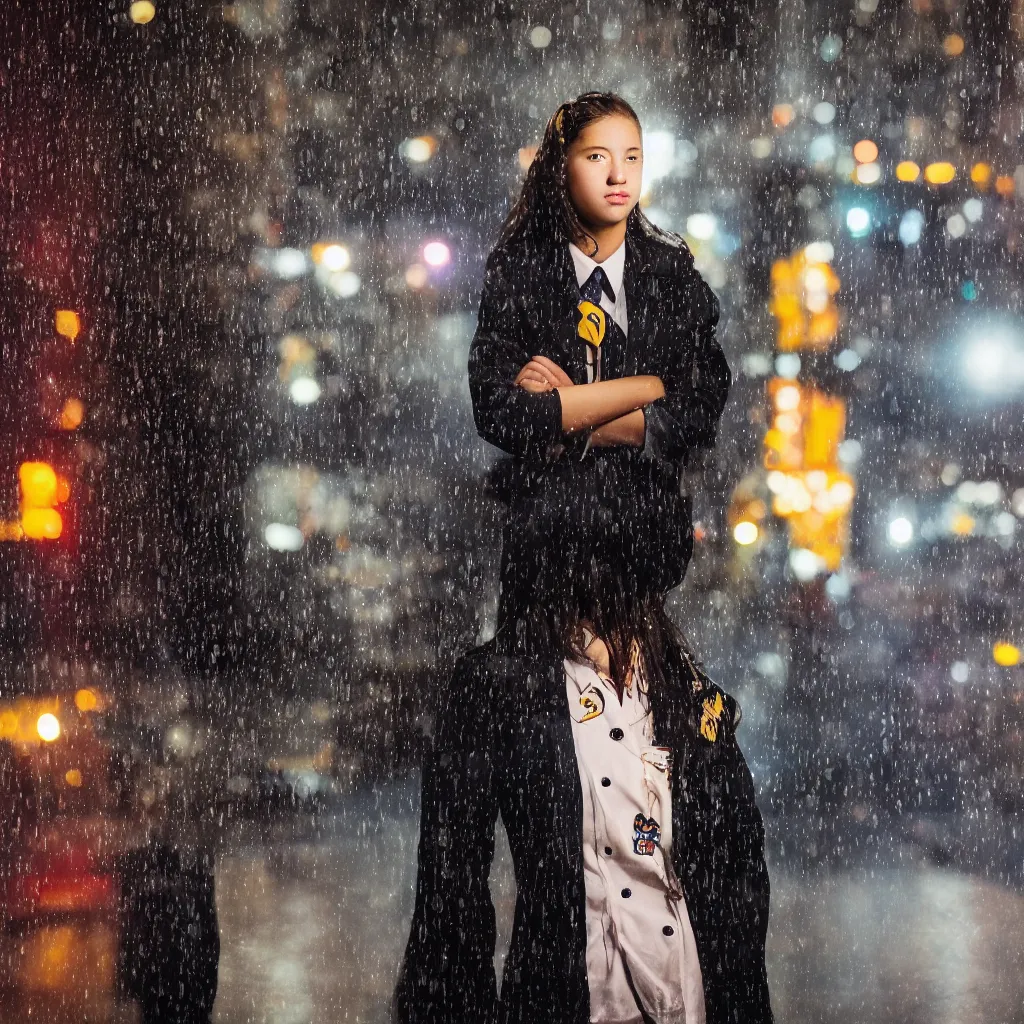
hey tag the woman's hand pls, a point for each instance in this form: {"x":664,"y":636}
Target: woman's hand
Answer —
{"x":542,"y":374}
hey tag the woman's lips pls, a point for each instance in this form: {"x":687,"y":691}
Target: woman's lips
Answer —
{"x":617,"y":199}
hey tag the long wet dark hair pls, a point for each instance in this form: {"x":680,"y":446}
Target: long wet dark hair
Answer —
{"x":618,"y":613}
{"x":544,"y":213}
{"x":580,"y":549}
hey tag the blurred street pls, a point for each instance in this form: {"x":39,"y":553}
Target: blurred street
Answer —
{"x":314,"y":914}
{"x":247,"y":522}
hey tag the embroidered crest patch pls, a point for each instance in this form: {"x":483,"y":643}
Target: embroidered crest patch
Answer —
{"x":711,"y":717}
{"x":591,"y":705}
{"x":646,"y":835}
{"x":591,"y":323}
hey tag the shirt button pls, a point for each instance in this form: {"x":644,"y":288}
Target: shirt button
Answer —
{"x":668,"y":930}
{"x":626,"y":893}
{"x":616,"y":734}
{"x":606,"y":781}
{"x":608,"y":851}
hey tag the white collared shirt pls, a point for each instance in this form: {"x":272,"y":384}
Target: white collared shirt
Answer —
{"x":614,"y":267}
{"x":639,"y":936}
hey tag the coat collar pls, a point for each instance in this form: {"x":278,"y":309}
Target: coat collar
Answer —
{"x":613,"y":266}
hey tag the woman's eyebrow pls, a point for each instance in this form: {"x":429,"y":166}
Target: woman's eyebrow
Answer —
{"x":586,"y":149}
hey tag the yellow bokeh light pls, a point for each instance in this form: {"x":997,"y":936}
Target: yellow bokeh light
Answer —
{"x":745,"y":532}
{"x":865,"y":152}
{"x":73,"y":777}
{"x":40,"y":491}
{"x":907,"y":170}
{"x":41,"y":524}
{"x":331,"y":255}
{"x":962,"y":525}
{"x":981,"y":175}
{"x":85,"y":700}
{"x":67,"y":323}
{"x":420,"y":149}
{"x":953,"y":44}
{"x":1005,"y":654}
{"x":38,"y":484}
{"x":72,"y":414}
{"x":48,"y":727}
{"x":1005,"y":185}
{"x":142,"y":12}
{"x":940,"y":173}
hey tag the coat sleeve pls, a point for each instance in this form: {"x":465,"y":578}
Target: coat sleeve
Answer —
{"x":696,"y":386}
{"x":447,"y":975}
{"x":515,"y":420}
{"x":746,"y":892}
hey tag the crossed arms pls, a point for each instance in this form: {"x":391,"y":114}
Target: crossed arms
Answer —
{"x":529,"y":406}
{"x":612,"y":407}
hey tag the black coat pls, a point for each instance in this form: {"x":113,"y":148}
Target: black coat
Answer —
{"x":528,"y":307}
{"x":503,"y":743}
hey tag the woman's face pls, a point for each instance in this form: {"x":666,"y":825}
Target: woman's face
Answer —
{"x":604,"y":165}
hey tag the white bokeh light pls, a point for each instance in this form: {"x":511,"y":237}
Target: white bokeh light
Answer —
{"x":304,"y":391}
{"x":436,"y":254}
{"x":336,"y":257}
{"x":282,"y":537}
{"x":901,"y":531}
{"x":701,"y":225}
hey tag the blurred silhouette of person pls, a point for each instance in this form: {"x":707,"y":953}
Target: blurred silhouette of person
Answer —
{"x":170,"y":944}
{"x":18,"y":804}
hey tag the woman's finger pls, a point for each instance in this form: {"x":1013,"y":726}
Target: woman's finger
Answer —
{"x":558,"y":376}
{"x":532,"y":367}
{"x":531,"y":373}
{"x":540,"y":370}
{"x":548,"y":370}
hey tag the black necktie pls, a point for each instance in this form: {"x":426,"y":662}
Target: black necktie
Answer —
{"x":613,"y":348}
{"x":593,"y":286}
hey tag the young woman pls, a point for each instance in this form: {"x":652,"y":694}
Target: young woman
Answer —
{"x":642,"y":892}
{"x":596,"y":334}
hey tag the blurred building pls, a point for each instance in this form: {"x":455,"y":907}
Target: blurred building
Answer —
{"x":294,"y":201}
{"x":307,"y":194}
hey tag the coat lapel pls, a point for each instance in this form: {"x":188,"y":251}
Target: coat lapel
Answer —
{"x":675,"y":718}
{"x":568,"y":297}
{"x":640,"y":286}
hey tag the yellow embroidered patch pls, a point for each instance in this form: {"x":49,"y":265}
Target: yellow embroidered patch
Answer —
{"x":711,"y":717}
{"x":591,"y":324}
{"x":592,"y":703}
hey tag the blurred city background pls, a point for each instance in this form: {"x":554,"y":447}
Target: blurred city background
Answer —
{"x":246,"y":522}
